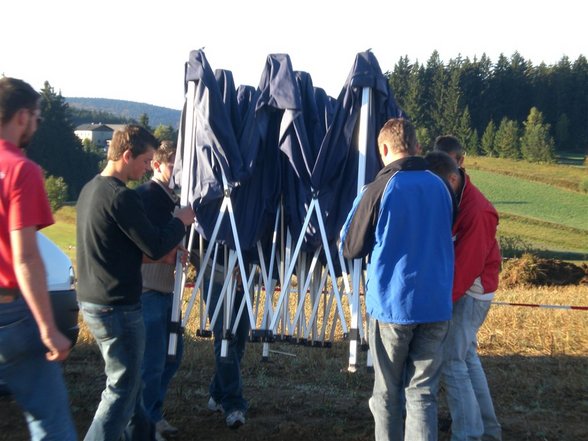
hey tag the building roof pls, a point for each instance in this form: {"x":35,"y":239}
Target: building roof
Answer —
{"x":94,"y":127}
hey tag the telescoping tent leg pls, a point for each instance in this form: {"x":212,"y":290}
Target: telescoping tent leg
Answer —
{"x":354,"y":303}
{"x":188,"y":159}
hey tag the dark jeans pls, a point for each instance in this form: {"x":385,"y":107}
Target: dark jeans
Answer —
{"x":36,"y":383}
{"x":157,"y":370}
{"x":226,"y":386}
{"x":119,"y":332}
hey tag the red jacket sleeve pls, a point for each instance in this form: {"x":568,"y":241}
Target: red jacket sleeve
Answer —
{"x":475,"y":239}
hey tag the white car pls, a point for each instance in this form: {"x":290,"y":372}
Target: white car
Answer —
{"x":61,"y":285}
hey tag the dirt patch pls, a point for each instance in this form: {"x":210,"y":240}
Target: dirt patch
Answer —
{"x":313,"y":397}
{"x":534,"y":271}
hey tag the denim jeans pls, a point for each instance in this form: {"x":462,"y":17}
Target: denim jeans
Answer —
{"x":407,"y":366}
{"x":468,"y":396}
{"x":119,"y":332}
{"x":157,"y":370}
{"x":36,"y":383}
{"x":226,"y":386}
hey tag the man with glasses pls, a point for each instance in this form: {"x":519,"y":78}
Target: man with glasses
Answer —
{"x":31,"y":346}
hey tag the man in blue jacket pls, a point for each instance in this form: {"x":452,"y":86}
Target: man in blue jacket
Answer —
{"x":402,"y":221}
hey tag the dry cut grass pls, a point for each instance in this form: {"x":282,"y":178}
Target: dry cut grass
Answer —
{"x":537,"y":332}
{"x":536,"y":362}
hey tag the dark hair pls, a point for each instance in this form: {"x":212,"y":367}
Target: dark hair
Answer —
{"x":165,"y":151}
{"x":400,"y":136}
{"x":441,"y":164}
{"x":449,"y":144}
{"x":132,"y":137}
{"x":15,"y":94}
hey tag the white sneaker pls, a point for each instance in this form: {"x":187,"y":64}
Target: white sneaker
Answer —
{"x":162,"y":427}
{"x":235,"y":419}
{"x":214,"y":406}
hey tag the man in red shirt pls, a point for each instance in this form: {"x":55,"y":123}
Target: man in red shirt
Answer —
{"x":31,"y":346}
{"x":477,"y":265}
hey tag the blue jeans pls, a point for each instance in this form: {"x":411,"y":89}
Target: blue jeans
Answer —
{"x":36,"y":383}
{"x":157,"y":370}
{"x":119,"y":332}
{"x":468,"y":396}
{"x":407,"y":366}
{"x":226,"y":386}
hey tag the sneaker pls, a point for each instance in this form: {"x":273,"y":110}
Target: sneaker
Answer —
{"x":235,"y":419}
{"x":162,"y":427}
{"x":159,"y":437}
{"x":214,"y":406}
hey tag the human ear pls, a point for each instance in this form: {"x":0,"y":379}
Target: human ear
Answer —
{"x":127,"y":155}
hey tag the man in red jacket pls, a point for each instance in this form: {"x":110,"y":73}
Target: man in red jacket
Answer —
{"x":477,"y":264}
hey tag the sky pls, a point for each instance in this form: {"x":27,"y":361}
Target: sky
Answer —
{"x":136,"y":50}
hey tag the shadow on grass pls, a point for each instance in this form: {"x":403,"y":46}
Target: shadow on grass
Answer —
{"x":311,"y":396}
{"x":560,"y":255}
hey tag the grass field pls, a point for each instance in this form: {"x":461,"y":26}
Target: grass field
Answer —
{"x":536,"y":204}
{"x":558,"y":175}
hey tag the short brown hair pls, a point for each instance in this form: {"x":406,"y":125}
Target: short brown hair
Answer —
{"x":441,"y":164}
{"x":15,"y":94}
{"x":165,"y":152}
{"x":399,"y":134}
{"x":132,"y":137}
{"x":449,"y":144}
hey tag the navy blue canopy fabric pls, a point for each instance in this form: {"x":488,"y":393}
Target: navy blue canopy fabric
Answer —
{"x":214,"y":147}
{"x":301,"y":145}
{"x":335,"y":172}
{"x":322,"y":147}
{"x":265,"y":122}
{"x":237,"y":134}
{"x":287,"y":138}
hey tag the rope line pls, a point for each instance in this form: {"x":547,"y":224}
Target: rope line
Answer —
{"x":536,"y":305}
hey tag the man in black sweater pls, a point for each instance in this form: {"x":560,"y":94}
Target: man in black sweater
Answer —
{"x":113,"y":234}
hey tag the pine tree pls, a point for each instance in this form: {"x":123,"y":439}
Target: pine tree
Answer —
{"x":507,"y":142}
{"x":57,"y":149}
{"x":536,"y":143}
{"x":562,"y":132}
{"x":163,"y":132}
{"x":467,"y":136}
{"x":488,"y":140}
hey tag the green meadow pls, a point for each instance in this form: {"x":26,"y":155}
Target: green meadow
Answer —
{"x":550,"y":219}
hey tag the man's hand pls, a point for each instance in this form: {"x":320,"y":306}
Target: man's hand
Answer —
{"x":186,"y":215}
{"x":58,"y":345}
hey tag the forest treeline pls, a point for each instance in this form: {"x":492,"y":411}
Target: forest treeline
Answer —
{"x":471,"y":98}
{"x":510,"y":108}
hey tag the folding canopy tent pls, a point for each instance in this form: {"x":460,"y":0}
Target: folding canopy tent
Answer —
{"x":220,"y":169}
{"x":232,"y":172}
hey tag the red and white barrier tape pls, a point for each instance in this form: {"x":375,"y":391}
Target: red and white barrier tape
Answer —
{"x":530,"y":305}
{"x":535,"y":305}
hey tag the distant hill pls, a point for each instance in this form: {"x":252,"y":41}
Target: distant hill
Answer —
{"x":128,"y":109}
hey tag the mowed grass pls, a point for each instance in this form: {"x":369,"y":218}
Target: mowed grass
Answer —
{"x":63,"y":231}
{"x":548,"y":218}
{"x":534,"y":200}
{"x":559,"y":175}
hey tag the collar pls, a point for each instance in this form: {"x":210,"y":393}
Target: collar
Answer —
{"x":167,"y":190}
{"x":13,"y":148}
{"x":408,"y":163}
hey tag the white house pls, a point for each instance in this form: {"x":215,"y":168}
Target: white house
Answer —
{"x":99,"y":134}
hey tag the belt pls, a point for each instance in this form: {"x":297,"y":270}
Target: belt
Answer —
{"x":8,"y":295}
